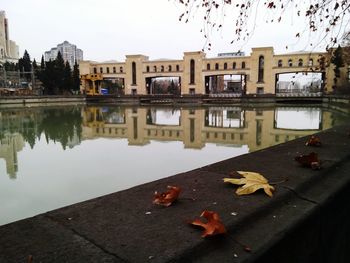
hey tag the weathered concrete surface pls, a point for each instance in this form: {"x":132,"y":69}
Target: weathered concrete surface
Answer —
{"x":305,"y":221}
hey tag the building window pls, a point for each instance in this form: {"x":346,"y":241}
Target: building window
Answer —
{"x":107,"y":70}
{"x":216,"y":66}
{"x":101,"y":70}
{"x":243,"y":64}
{"x":225,"y":65}
{"x":162,"y":68}
{"x":192,"y":71}
{"x":95,"y":70}
{"x":261,"y":69}
{"x":169,"y":67}
{"x":300,"y":63}
{"x":311,"y":62}
{"x":133,"y":73}
{"x":290,"y":63}
{"x":260,"y":90}
{"x":280,"y":64}
{"x":177,"y":68}
{"x":147,"y":68}
{"x":114,"y":70}
{"x":155,"y":68}
{"x":234,"y":65}
{"x":208,"y":66}
{"x":121,"y":69}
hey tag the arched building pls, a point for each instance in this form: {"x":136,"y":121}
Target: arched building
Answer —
{"x":259,"y":73}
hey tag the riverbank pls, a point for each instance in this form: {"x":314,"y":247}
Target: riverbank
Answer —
{"x":305,"y":221}
{"x":31,"y":101}
{"x":7,"y":101}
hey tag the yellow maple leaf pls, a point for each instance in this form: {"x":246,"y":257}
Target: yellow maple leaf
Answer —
{"x":251,"y":182}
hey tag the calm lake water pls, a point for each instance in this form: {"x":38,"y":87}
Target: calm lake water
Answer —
{"x":56,"y":156}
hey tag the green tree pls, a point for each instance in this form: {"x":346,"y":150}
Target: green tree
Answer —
{"x":59,"y":73}
{"x":9,"y":66}
{"x":25,"y":65}
{"x":42,"y":63}
{"x":76,"y":78}
{"x":67,"y":78}
{"x":35,"y":65}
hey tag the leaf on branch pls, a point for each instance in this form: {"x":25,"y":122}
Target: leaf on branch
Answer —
{"x":251,"y":183}
{"x":336,"y":6}
{"x":213,"y":227}
{"x":313,"y":141}
{"x":270,"y":5}
{"x":168,"y":197}
{"x":311,"y":160}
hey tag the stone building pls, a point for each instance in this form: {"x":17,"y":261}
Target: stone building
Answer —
{"x":69,"y":52}
{"x":9,"y":51}
{"x":258,"y":73}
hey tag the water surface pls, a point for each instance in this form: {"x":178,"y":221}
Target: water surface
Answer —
{"x":56,"y":156}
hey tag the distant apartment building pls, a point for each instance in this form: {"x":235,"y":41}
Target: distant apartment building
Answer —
{"x":9,"y":51}
{"x":69,"y":52}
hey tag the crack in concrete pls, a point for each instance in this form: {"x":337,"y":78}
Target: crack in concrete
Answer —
{"x":87,"y":239}
{"x":299,"y":196}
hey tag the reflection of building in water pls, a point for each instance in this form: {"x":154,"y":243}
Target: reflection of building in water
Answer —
{"x":195,"y":127}
{"x":164,"y":117}
{"x":10,"y":145}
{"x":228,"y":117}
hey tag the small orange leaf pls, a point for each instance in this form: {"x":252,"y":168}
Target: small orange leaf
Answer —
{"x":168,"y":197}
{"x":313,"y":141}
{"x":213,"y":227}
{"x":310,"y":160}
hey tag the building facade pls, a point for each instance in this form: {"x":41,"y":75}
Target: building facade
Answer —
{"x":234,"y":74}
{"x":69,"y":52}
{"x":9,"y":51}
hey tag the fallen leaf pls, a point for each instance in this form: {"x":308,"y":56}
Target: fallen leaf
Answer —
{"x":213,"y":227}
{"x":168,"y":197}
{"x":313,"y":141}
{"x":311,"y":160}
{"x":30,"y":259}
{"x":251,"y":182}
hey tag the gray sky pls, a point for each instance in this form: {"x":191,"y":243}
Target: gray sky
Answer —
{"x":111,"y":29}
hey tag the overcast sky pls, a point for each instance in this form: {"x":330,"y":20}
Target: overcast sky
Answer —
{"x":111,"y":29}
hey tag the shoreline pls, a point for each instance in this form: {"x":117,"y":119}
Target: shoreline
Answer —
{"x":296,"y":225}
{"x":168,"y":100}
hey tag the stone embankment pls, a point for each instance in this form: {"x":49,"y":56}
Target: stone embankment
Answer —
{"x":306,"y":220}
{"x":9,"y":101}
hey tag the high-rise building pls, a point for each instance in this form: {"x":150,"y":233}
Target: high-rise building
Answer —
{"x":8,"y":49}
{"x":69,"y":52}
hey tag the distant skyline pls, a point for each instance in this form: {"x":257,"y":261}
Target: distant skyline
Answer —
{"x":109,"y":29}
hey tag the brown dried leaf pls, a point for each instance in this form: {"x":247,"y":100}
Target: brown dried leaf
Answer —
{"x":213,"y":227}
{"x":168,"y":197}
{"x":251,"y":183}
{"x":311,"y":160}
{"x":314,"y":141}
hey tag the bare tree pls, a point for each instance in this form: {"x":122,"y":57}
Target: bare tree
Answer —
{"x":328,"y":19}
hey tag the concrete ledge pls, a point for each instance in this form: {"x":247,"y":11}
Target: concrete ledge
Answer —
{"x":41,"y":101}
{"x":305,"y":221}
